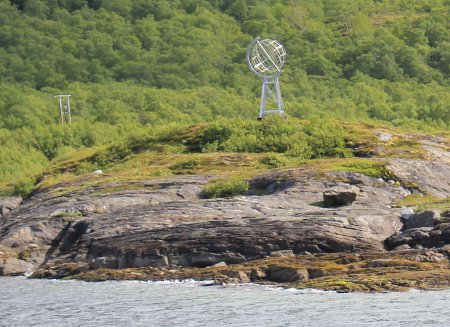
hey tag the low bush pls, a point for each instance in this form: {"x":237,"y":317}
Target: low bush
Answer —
{"x":225,"y":188}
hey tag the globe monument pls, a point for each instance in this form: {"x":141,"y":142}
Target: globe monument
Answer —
{"x":266,"y":58}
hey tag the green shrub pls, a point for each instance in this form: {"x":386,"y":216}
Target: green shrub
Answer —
{"x":273,"y":161}
{"x":199,"y":137}
{"x":225,"y":188}
{"x":111,"y":155}
{"x":24,"y":188}
{"x":326,"y":139}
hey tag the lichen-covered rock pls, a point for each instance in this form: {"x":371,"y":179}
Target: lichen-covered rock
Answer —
{"x":61,"y":270}
{"x":236,"y":275}
{"x":282,"y":274}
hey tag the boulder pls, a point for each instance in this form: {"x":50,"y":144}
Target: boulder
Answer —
{"x":340,"y":195}
{"x":282,"y":253}
{"x":429,"y":256}
{"x":14,"y":267}
{"x":426,"y":218}
{"x":402,"y":247}
{"x":220,"y":264}
{"x":316,"y":273}
{"x":384,"y":137}
{"x":379,"y":263}
{"x":259,"y":273}
{"x":407,"y":213}
{"x":238,"y":276}
{"x":288,"y":274}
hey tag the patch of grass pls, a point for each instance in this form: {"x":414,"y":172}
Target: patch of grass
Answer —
{"x":370,"y":167}
{"x":403,"y":148}
{"x":74,"y":156}
{"x":424,"y":202}
{"x":186,"y":164}
{"x":225,"y":188}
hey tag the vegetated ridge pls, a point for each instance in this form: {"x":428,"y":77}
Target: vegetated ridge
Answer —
{"x":131,"y":66}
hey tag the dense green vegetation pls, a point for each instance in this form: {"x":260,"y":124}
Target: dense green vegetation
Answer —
{"x":143,"y":67}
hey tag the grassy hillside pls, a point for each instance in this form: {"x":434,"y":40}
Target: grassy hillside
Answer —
{"x":138,"y":68}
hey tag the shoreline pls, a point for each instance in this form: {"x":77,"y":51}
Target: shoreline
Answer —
{"x":369,"y":272}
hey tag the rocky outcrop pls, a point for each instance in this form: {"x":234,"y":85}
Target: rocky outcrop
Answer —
{"x":427,"y":229}
{"x":7,"y":204}
{"x":167,"y":224}
{"x":164,"y":223}
{"x":341,"y":272}
{"x":427,"y":218}
{"x":426,"y":176}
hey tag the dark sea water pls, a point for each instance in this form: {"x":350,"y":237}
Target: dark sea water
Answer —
{"x":25,"y":302}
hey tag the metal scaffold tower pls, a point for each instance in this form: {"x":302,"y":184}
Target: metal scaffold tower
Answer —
{"x":64,"y":108}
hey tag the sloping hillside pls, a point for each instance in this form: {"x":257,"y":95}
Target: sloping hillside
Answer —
{"x":131,"y":66}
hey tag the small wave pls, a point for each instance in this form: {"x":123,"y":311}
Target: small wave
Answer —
{"x":309,"y":291}
{"x":182,"y":282}
{"x":276,"y":288}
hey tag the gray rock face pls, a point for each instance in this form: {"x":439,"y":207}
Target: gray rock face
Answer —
{"x":14,"y":267}
{"x":428,"y":176}
{"x":426,"y":218}
{"x":163,"y":222}
{"x":7,"y":204}
{"x":437,"y":235}
{"x":340,"y":195}
{"x":167,"y":224}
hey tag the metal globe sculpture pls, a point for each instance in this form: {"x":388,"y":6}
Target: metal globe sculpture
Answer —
{"x":266,"y":58}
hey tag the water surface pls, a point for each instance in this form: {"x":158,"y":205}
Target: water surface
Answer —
{"x":25,"y":302}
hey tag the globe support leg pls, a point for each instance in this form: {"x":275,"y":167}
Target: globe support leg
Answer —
{"x":270,"y":91}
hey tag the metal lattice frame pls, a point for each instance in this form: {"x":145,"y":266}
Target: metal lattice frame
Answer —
{"x":266,"y":59}
{"x":64,"y":107}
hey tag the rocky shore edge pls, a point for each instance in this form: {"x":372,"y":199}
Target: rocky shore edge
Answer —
{"x":424,"y":269}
